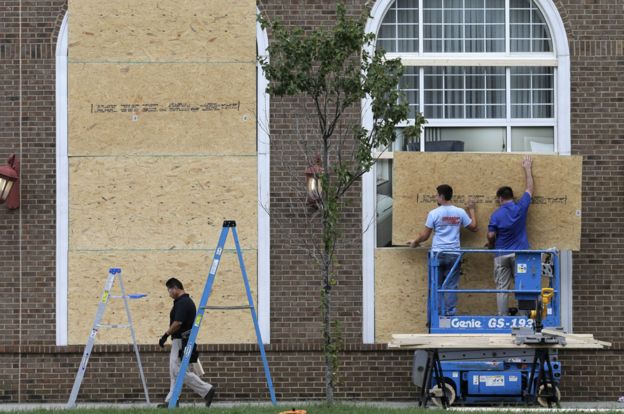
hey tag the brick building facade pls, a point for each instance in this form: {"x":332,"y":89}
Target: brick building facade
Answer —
{"x":34,"y":369}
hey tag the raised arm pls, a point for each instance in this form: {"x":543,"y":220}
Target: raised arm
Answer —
{"x":470,"y":208}
{"x":527,"y":163}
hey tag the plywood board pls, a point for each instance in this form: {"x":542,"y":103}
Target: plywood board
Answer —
{"x":486,"y":341}
{"x":401,"y":290}
{"x":146,"y":272}
{"x":165,"y":30}
{"x":554,"y":218}
{"x":162,"y":109}
{"x":160,"y":202}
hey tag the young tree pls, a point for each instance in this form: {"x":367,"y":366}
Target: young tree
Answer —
{"x":334,"y":69}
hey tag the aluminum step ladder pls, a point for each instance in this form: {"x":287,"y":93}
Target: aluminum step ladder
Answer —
{"x":113,"y":273}
{"x":227,"y":225}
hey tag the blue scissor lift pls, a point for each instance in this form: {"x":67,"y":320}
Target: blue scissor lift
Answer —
{"x":495,"y":375}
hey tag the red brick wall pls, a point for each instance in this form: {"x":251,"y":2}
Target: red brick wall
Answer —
{"x":34,"y":370}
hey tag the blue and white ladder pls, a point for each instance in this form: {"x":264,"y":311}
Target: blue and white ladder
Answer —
{"x":113,"y":273}
{"x":203,"y":305}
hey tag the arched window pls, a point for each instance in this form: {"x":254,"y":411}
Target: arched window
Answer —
{"x":62,"y":190}
{"x":489,"y":76}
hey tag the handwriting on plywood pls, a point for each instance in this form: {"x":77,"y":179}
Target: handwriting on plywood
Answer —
{"x":483,"y":199}
{"x":168,"y":107}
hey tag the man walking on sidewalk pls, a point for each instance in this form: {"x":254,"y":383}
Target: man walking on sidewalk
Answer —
{"x":181,"y":320}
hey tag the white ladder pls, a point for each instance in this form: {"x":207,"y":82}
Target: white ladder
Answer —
{"x":113,"y":273}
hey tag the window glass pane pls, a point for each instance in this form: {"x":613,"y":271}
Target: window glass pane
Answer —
{"x":466,"y":26}
{"x":532,"y":92}
{"x":477,"y":4}
{"x":541,"y":45}
{"x":434,"y":111}
{"x":407,"y":31}
{"x":474,"y":16}
{"x":533,"y":139}
{"x":467,"y":139}
{"x":407,"y":4}
{"x":432,"y":45}
{"x":432,"y":16}
{"x":387,"y":45}
{"x":387,"y":31}
{"x":453,"y":16}
{"x":408,"y":46}
{"x":384,"y":202}
{"x":408,"y":16}
{"x":454,"y":112}
{"x":495,"y":111}
{"x":432,"y":31}
{"x":399,"y":30}
{"x":519,"y":4}
{"x":528,"y":30}
{"x":495,"y":4}
{"x":457,"y":88}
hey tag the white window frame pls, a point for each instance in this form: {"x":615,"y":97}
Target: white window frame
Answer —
{"x":62,"y":189}
{"x":560,"y":60}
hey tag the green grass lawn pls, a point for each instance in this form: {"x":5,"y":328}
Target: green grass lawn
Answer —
{"x":267,"y":409}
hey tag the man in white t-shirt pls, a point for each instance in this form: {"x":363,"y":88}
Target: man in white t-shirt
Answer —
{"x":446,"y":222}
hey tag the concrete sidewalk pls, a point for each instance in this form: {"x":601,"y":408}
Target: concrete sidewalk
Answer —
{"x":598,"y":406}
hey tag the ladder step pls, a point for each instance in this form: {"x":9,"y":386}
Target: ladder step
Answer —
{"x":129,"y":296}
{"x":111,"y":326}
{"x":227,"y":307}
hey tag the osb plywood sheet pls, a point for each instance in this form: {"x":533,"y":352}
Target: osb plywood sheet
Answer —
{"x":146,"y":272}
{"x":554,"y":218}
{"x":165,"y":30}
{"x":162,"y":109}
{"x":160,"y":202}
{"x":401,"y":290}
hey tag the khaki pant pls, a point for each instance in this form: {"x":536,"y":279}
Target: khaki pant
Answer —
{"x":190,"y":379}
{"x":503,"y":277}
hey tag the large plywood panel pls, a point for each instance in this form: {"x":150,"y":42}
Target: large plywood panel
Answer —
{"x":162,"y":109}
{"x":146,"y":272}
{"x":160,"y":202}
{"x":165,"y":30}
{"x":554,"y":218}
{"x":401,"y":290}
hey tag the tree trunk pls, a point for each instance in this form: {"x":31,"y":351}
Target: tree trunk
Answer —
{"x":328,"y":339}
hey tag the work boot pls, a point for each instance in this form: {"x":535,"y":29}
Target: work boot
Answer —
{"x":166,"y":404}
{"x":210,"y":395}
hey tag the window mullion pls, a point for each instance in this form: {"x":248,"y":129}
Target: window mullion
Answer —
{"x":508,"y":105}
{"x":421,"y":105}
{"x":421,"y":31}
{"x":507,"y":28}
{"x":463,"y":23}
{"x":465,"y":101}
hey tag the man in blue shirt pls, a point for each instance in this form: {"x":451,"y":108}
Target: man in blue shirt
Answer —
{"x":446,"y":221}
{"x":507,"y":231}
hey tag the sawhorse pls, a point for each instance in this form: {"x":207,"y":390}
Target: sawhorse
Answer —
{"x":545,"y":379}
{"x":432,"y":366}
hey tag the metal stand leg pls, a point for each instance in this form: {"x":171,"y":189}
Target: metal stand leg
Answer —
{"x":545,"y":378}
{"x":433,"y":366}
{"x":424,"y":386}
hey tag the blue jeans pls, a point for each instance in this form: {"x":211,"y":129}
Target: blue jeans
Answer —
{"x":446,"y":262}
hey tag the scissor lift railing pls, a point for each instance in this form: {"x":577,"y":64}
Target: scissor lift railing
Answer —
{"x":526,"y":286}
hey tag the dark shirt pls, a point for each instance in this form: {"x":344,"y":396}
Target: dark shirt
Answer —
{"x":509,"y":224}
{"x":183,"y":311}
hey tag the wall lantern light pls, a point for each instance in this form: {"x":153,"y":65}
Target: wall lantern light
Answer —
{"x":9,"y":183}
{"x":313,"y":182}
